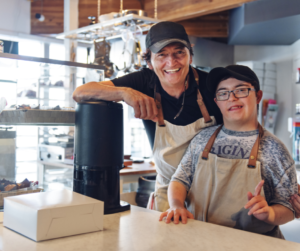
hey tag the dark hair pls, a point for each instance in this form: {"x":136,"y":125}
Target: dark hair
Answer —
{"x":147,"y":55}
{"x":253,"y":83}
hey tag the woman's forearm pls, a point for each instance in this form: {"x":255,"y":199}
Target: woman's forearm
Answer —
{"x":98,"y":90}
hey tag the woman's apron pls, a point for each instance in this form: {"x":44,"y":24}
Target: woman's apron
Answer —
{"x":170,"y":144}
{"x":219,"y":189}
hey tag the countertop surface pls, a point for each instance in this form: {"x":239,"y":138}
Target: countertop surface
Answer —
{"x":139,"y":229}
{"x":142,"y":168}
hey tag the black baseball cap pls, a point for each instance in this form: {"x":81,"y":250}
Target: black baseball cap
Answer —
{"x":164,"y":33}
{"x":239,"y":72}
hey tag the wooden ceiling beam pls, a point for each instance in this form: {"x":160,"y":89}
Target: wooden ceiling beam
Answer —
{"x":178,"y":10}
{"x":214,"y":25}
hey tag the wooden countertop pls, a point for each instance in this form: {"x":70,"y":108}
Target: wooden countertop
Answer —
{"x":139,"y":230}
{"x":143,"y":168}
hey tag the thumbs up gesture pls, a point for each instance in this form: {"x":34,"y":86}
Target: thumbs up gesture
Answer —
{"x":257,"y":204}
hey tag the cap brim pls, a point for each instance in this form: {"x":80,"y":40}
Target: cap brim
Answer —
{"x":217,"y":74}
{"x":161,"y":44}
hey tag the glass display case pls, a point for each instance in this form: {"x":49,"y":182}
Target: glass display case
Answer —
{"x":37,"y":123}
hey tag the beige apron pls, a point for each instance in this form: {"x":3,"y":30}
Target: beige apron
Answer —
{"x":170,"y":144}
{"x":219,"y":189}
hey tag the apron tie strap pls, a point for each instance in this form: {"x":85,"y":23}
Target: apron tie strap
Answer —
{"x":200,"y":101}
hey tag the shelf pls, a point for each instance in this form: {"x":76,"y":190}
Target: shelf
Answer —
{"x":8,"y":81}
{"x":109,"y":29}
{"x":38,"y":117}
{"x":49,"y":61}
{"x":41,"y":99}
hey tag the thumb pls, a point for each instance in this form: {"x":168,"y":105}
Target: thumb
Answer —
{"x":155,"y":119}
{"x":249,"y":195}
{"x":190,"y":215}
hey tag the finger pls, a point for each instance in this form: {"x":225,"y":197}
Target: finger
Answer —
{"x":137,"y":110}
{"x":296,"y":203}
{"x":249,"y":195}
{"x":162,"y":215}
{"x":149,"y":109}
{"x":298,"y":189}
{"x":253,"y":201}
{"x":176,"y":217}
{"x":169,"y":217}
{"x":184,"y":217}
{"x":190,"y":215}
{"x":256,"y":207}
{"x":261,"y":211}
{"x":143,"y":109}
{"x":258,"y":187}
{"x":155,"y":119}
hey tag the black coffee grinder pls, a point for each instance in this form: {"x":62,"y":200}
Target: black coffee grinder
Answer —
{"x":99,"y":154}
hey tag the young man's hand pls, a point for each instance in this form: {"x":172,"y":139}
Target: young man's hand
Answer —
{"x":258,"y":205}
{"x":176,"y":214}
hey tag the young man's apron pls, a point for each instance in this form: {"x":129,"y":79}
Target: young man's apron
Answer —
{"x":170,"y":144}
{"x":219,"y":189}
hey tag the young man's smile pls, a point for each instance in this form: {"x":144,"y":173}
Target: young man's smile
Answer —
{"x":235,"y":107}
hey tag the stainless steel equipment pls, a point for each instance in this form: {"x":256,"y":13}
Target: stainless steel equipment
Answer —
{"x":52,"y":153}
{"x":7,"y":154}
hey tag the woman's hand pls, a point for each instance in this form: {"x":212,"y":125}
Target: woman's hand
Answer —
{"x":143,"y":105}
{"x":177,"y":214}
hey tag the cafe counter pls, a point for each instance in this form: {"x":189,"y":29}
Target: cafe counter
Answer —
{"x":139,"y":229}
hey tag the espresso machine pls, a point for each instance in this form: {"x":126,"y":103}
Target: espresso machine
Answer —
{"x":98,"y":155}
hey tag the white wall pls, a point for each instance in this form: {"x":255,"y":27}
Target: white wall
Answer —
{"x":266,"y":53}
{"x":287,"y":59}
{"x":15,"y":16}
{"x":211,"y":54}
{"x":285,"y":87}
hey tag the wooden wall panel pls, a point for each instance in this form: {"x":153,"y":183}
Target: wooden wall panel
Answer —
{"x":178,"y":10}
{"x":214,"y":25}
{"x":53,"y":10}
{"x":88,"y":8}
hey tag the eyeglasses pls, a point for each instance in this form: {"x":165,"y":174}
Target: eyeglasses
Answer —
{"x":238,"y":93}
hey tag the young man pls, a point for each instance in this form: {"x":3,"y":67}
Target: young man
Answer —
{"x":224,"y":163}
{"x":170,"y":84}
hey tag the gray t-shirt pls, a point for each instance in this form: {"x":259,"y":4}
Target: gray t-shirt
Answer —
{"x":277,"y":165}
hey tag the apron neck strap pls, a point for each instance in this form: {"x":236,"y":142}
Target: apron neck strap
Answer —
{"x":160,"y":114}
{"x":157,"y":98}
{"x":210,"y":143}
{"x":200,"y":102}
{"x":254,"y":151}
